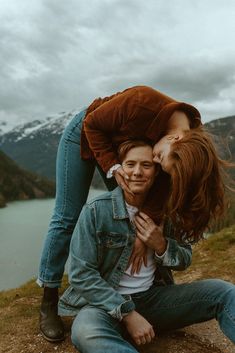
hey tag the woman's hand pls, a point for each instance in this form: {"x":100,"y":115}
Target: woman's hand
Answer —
{"x":138,"y":256}
{"x":121,"y":179}
{"x":140,"y":330}
{"x":150,"y":233}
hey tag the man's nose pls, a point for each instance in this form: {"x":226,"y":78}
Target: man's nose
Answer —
{"x":137,"y":170}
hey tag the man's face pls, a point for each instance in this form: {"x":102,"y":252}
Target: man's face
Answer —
{"x":139,"y":166}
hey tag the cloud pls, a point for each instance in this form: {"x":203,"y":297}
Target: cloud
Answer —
{"x":61,"y":55}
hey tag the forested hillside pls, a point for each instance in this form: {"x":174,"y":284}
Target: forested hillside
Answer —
{"x":18,"y":184}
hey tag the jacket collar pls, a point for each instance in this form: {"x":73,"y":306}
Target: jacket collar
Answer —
{"x":118,"y":202}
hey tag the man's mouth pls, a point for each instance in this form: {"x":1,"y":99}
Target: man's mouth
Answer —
{"x":137,"y":181}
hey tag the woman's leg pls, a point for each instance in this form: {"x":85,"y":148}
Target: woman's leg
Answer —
{"x":73,"y":179}
{"x":95,"y":331}
{"x":176,"y":306}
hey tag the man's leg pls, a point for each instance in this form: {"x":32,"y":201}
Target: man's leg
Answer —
{"x":176,"y":306}
{"x":95,"y":331}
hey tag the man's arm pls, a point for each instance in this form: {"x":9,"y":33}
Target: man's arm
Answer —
{"x":84,"y":275}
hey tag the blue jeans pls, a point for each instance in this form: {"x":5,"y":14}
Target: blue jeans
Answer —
{"x":73,"y":180}
{"x":165,"y":307}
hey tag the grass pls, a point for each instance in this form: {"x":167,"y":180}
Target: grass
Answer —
{"x":213,"y":257}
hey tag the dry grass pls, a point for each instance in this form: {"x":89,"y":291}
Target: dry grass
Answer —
{"x":213,"y":258}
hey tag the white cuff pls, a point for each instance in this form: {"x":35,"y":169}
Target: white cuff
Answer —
{"x":111,"y":170}
{"x":164,"y":254}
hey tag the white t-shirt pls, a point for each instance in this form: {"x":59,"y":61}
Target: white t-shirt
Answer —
{"x":142,"y":281}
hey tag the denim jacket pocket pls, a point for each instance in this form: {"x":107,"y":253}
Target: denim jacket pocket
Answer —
{"x":112,"y":240}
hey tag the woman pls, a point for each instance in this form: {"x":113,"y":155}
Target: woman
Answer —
{"x":92,"y":138}
{"x":197,"y":175}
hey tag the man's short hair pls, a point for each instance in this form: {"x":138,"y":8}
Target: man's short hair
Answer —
{"x":126,"y":146}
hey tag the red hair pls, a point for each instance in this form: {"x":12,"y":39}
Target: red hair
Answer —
{"x":197,"y":192}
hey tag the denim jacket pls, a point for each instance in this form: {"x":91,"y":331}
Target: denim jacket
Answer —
{"x":100,"y":248}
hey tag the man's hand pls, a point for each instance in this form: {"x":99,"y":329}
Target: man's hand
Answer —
{"x":139,"y":328}
{"x":150,"y":233}
{"x":138,"y":256}
{"x":121,"y":179}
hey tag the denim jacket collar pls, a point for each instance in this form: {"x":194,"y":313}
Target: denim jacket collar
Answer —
{"x":118,"y":202}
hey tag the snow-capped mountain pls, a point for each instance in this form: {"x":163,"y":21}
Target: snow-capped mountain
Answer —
{"x":55,"y":124}
{"x":34,"y":145}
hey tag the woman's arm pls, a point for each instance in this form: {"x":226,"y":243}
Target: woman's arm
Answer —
{"x":172,"y":254}
{"x":109,"y":119}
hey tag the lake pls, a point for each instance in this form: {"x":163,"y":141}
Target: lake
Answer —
{"x":23,"y":225}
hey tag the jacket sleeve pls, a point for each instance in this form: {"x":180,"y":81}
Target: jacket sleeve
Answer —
{"x":108,"y":119}
{"x":84,"y":275}
{"x":178,"y":255}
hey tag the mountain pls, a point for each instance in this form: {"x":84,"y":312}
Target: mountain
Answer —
{"x":224,"y":127}
{"x":18,"y":184}
{"x":34,"y":145}
{"x":224,"y":130}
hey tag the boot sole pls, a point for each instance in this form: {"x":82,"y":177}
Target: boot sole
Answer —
{"x":52,"y":339}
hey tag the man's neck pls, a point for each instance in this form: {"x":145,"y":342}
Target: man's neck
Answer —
{"x":136,"y":200}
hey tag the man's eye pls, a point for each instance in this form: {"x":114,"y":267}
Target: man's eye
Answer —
{"x":130,"y":164}
{"x":147,"y":165}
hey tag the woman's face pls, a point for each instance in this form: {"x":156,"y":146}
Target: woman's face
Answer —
{"x":162,"y":149}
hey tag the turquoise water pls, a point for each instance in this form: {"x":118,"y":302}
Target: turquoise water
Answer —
{"x":23,"y":225}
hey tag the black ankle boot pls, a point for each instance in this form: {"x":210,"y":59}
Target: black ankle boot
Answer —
{"x":51,"y":325}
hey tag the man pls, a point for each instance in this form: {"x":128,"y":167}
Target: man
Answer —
{"x":111,"y":300}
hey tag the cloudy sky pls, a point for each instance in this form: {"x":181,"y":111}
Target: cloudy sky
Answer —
{"x":58,"y":55}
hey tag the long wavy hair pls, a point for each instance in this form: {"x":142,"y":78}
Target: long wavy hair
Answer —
{"x":197,"y":183}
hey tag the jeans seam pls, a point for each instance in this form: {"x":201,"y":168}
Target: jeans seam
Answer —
{"x":229,"y":314}
{"x":67,"y":141}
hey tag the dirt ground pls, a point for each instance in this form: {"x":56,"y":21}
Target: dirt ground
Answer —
{"x":192,"y":340}
{"x":23,"y":336}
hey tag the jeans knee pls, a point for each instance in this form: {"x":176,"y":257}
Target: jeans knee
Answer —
{"x":225,"y":287}
{"x":75,"y":338}
{"x":83,"y":337}
{"x":81,"y":331}
{"x":225,"y":293}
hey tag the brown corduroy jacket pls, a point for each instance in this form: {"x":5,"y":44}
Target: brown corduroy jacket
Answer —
{"x":139,"y":112}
